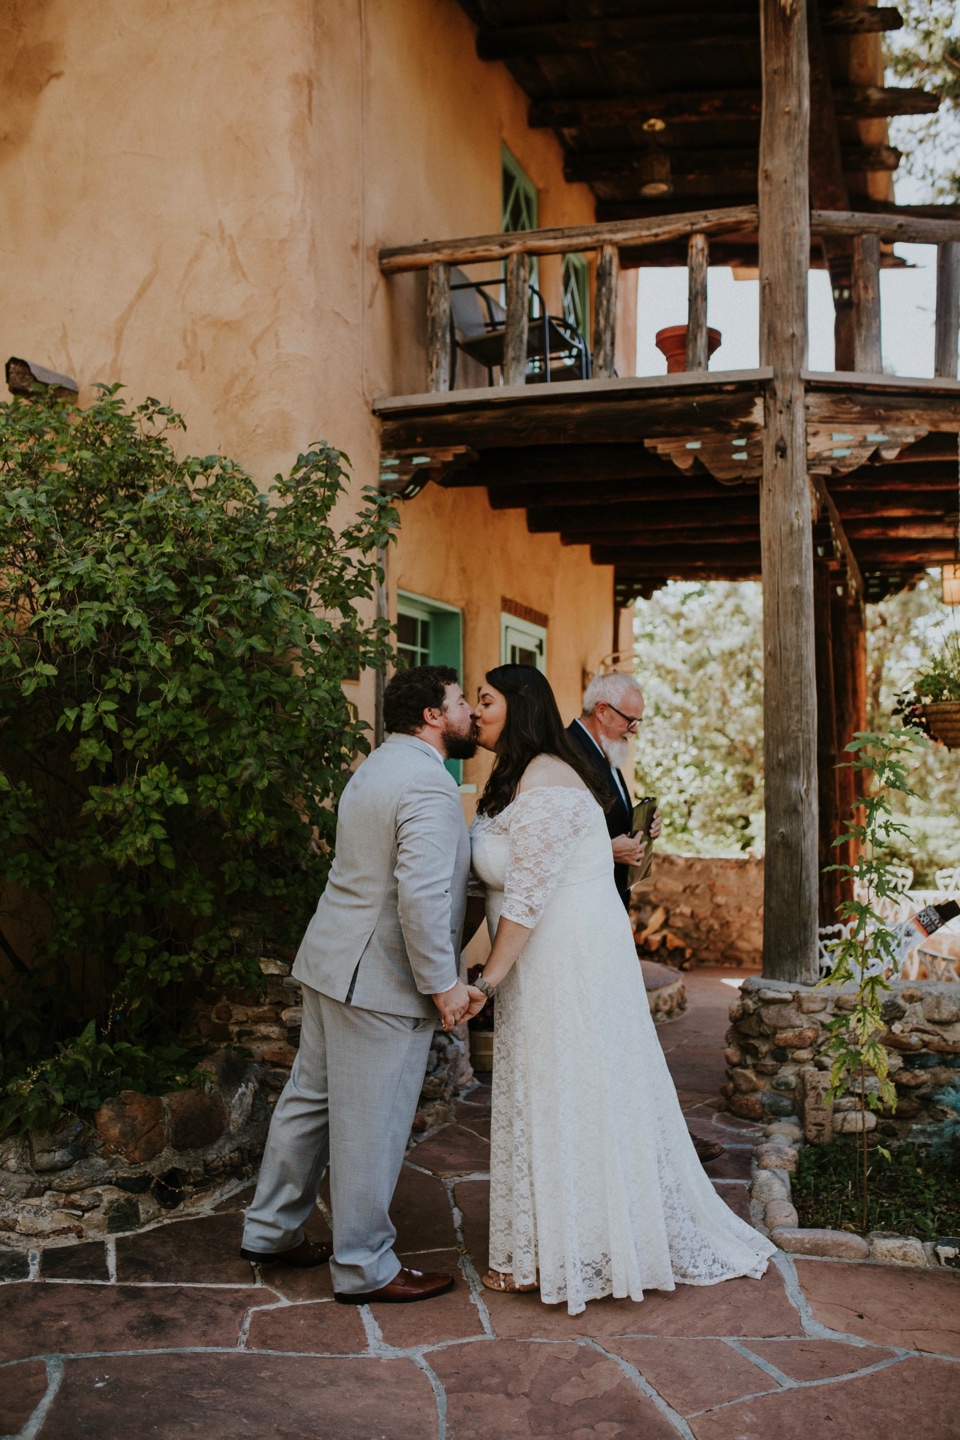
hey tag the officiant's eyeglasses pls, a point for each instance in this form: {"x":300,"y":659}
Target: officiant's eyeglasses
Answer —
{"x":633,"y":721}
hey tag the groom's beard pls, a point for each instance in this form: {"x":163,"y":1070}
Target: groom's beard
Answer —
{"x":459,"y":747}
{"x":616,"y":751}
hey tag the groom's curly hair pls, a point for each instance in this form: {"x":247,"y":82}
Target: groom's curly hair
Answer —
{"x":412,"y":691}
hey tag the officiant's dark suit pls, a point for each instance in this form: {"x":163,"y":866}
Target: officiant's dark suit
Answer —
{"x":620,"y":814}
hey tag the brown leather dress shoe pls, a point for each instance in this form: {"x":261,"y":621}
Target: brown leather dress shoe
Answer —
{"x":405,"y":1287}
{"x":302,"y":1256}
{"x":707,"y":1150}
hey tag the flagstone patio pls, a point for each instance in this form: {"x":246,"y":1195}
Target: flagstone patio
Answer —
{"x":168,"y":1334}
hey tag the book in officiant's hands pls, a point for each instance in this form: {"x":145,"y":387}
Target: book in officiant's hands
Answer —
{"x":643,"y":813}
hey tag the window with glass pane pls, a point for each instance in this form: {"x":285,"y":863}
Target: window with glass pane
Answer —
{"x":430,"y":633}
{"x":413,"y":638}
{"x":576,"y":293}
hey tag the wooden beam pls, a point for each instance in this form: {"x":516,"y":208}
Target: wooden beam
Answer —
{"x":518,"y":319}
{"x":635,"y":33}
{"x":698,"y":260}
{"x":908,"y":229}
{"x":641,"y":514}
{"x":559,"y":466}
{"x":847,"y":20}
{"x":670,"y":539}
{"x":439,"y":336}
{"x":638,"y":560}
{"x":477,"y":249}
{"x":594,"y":494}
{"x":690,"y":106}
{"x":948,"y":309}
{"x":605,"y":313}
{"x":790,"y":692}
{"x":719,"y":164}
{"x":867,"y":357}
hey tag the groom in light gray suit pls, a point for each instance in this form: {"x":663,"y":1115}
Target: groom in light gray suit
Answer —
{"x":379,"y":966}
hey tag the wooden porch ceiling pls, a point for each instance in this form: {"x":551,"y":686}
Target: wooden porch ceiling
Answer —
{"x":660,"y":475}
{"x":615,"y":76}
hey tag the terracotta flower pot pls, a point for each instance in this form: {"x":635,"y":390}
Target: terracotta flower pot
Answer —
{"x":672,"y":342}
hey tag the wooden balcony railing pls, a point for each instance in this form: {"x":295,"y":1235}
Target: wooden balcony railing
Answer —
{"x":515,"y":249}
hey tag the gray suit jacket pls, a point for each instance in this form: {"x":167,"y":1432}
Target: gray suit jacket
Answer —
{"x":392,"y":909}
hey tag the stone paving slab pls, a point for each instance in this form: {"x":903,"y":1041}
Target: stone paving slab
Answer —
{"x":692,"y":1375}
{"x":22,"y":1387}
{"x":221,"y":1397}
{"x":315,"y":1327}
{"x":818,"y":1359}
{"x":913,"y":1396}
{"x":538,"y":1392}
{"x":891,"y":1305}
{"x":64,"y":1318}
{"x":453,"y":1151}
{"x":76,"y":1262}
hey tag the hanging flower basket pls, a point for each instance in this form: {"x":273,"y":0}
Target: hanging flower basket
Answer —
{"x":943,"y":720}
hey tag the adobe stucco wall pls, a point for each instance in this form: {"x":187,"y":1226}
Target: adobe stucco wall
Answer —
{"x":713,"y":906}
{"x":194,"y":200}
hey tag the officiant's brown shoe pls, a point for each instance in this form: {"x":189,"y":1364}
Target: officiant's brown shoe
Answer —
{"x":405,"y":1287}
{"x":707,"y":1150}
{"x":303,"y":1256}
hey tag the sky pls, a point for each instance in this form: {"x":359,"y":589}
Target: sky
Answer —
{"x":907,"y":307}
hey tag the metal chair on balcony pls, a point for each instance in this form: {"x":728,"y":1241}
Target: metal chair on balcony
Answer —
{"x":556,"y":350}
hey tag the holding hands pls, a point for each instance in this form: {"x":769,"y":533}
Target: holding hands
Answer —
{"x":459,"y":1004}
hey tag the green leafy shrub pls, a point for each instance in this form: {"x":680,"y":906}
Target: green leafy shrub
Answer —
{"x":910,"y":1191}
{"x":173,"y":729}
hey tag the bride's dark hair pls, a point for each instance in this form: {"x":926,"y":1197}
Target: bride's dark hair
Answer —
{"x":533,"y":727}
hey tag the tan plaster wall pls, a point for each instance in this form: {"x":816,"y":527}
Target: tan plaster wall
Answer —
{"x":194,"y":197}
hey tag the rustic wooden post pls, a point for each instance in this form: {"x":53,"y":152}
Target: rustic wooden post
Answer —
{"x":790,"y":693}
{"x":439,"y":336}
{"x":948,"y":309}
{"x":605,"y":313}
{"x":866,"y":305}
{"x":698,"y":260}
{"x":828,"y":797}
{"x":518,"y":320}
{"x":849,"y":637}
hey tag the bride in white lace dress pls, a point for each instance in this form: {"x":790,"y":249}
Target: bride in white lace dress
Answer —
{"x":596,"y":1188}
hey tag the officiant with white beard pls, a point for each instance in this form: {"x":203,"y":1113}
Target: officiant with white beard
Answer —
{"x":612,"y":710}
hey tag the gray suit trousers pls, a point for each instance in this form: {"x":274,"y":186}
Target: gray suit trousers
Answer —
{"x":349,"y":1102}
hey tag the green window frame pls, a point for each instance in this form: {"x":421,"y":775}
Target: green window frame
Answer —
{"x":576,"y":292}
{"x":430,"y":632}
{"x":522,"y":642}
{"x":520,"y":206}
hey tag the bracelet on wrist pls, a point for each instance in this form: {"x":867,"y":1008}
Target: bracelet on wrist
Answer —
{"x":484,"y":986}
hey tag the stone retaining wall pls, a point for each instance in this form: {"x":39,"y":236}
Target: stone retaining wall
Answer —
{"x":776,"y":1067}
{"x":148,"y":1154}
{"x":713,"y":908}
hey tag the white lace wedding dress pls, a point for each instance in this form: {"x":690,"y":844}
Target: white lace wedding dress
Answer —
{"x":596,"y":1188}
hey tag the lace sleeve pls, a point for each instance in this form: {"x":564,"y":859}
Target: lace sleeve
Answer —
{"x":545,"y":824}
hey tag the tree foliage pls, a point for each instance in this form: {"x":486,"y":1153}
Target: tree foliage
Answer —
{"x":700,"y":749}
{"x":926,"y":53}
{"x":173,"y":729}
